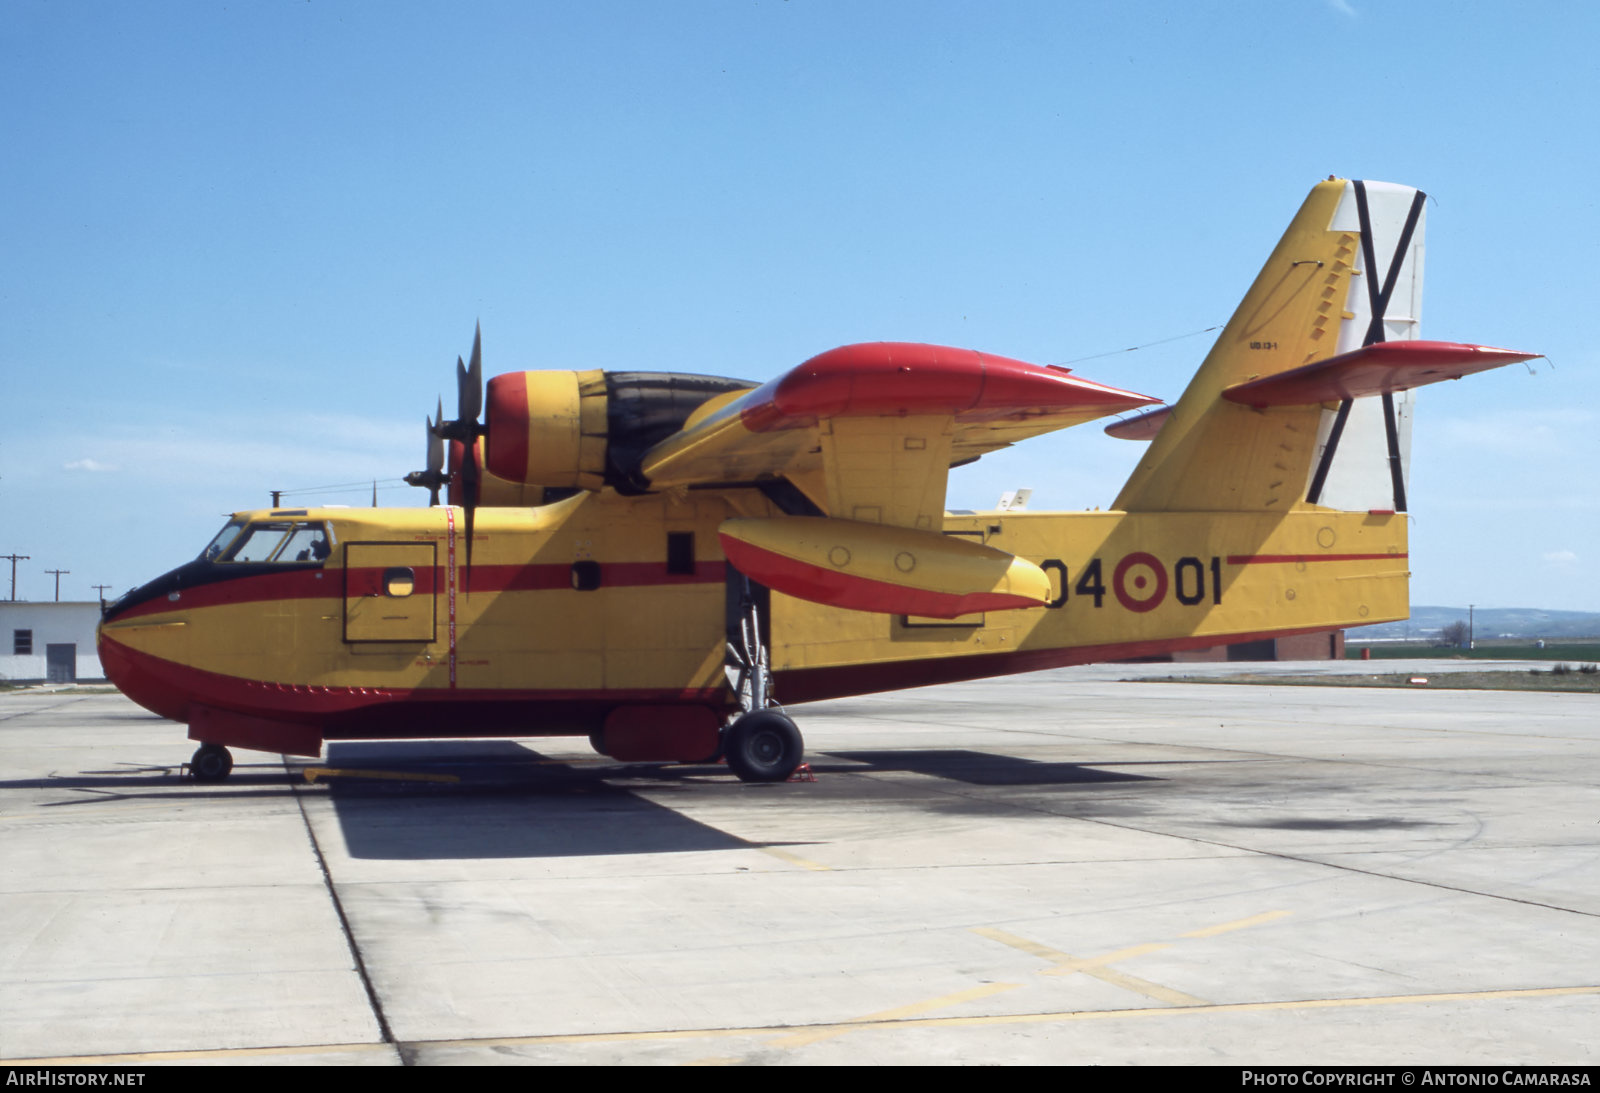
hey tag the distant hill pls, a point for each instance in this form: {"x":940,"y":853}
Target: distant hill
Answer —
{"x":1488,"y":622}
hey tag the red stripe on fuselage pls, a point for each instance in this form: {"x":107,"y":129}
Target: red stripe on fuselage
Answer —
{"x":331,"y":583}
{"x":1279,"y":559}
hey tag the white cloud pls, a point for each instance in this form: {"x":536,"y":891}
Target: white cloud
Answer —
{"x":1343,"y":7}
{"x":1560,"y":557}
{"x":88,"y":465}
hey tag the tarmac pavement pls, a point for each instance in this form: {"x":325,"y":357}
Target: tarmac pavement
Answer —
{"x":1063,"y":867}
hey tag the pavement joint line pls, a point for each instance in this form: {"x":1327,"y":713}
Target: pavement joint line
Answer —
{"x":373,"y":1000}
{"x":411,"y":1047}
{"x":1327,"y":864}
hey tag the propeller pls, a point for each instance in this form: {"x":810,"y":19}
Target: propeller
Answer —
{"x":434,"y":478}
{"x":466,"y":429}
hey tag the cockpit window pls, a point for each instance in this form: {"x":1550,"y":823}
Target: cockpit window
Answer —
{"x":223,"y":541}
{"x":271,"y":541}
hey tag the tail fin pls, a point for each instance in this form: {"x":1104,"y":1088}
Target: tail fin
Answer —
{"x":1346,"y":274}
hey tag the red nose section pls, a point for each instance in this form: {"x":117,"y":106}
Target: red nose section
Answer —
{"x":150,"y":681}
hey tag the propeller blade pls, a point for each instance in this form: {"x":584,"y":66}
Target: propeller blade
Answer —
{"x":469,"y":382}
{"x":436,"y":443}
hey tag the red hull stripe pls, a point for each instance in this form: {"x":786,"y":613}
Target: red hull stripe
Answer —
{"x":835,"y":589}
{"x":168,"y":688}
{"x":1278,"y":559}
{"x":485,"y":578}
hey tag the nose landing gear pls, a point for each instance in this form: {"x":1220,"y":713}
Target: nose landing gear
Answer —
{"x":211,"y":763}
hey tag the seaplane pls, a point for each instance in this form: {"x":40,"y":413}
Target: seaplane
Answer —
{"x":668,"y":563}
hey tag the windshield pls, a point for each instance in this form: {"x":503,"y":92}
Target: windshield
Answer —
{"x":271,"y":541}
{"x":223,"y":541}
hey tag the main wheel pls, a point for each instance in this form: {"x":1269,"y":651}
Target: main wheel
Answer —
{"x":763,"y":746}
{"x":210,"y":763}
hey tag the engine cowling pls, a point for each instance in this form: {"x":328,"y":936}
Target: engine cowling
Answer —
{"x":587,"y":430}
{"x":548,"y":428}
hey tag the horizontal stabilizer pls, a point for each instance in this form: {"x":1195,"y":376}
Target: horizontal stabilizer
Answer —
{"x":1381,"y":368}
{"x":1143,"y":426}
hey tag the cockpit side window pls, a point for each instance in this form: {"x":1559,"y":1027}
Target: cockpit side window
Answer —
{"x":306,"y":543}
{"x":273,"y":541}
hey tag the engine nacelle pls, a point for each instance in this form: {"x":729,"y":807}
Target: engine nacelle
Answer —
{"x":587,"y":430}
{"x":547,"y":428}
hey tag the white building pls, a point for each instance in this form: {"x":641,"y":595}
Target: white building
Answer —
{"x":49,"y":642}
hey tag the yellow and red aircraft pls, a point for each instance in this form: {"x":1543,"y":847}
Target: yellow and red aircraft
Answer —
{"x":657,"y":560}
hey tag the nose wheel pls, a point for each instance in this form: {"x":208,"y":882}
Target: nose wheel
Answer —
{"x":210,"y":763}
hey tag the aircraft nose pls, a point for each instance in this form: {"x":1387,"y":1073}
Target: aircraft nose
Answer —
{"x":145,"y":661}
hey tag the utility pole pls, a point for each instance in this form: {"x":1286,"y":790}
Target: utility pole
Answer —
{"x":101,"y":588}
{"x":15,"y":558}
{"x":1470,"y":643}
{"x":58,"y":573}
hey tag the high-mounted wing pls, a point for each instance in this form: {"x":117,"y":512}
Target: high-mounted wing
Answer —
{"x":869,"y":433}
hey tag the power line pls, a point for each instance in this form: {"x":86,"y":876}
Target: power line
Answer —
{"x":1146,"y":345}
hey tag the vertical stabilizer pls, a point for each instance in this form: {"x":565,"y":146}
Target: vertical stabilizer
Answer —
{"x":1347,"y":273}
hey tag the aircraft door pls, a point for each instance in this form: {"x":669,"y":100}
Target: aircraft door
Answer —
{"x":388,"y":592}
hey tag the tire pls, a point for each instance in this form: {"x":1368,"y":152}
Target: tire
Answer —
{"x":211,"y":763}
{"x":763,"y":746}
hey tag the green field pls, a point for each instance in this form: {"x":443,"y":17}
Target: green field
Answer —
{"x":1534,"y":679}
{"x":1575,"y":652}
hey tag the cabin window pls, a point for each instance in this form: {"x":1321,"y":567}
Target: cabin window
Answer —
{"x":680,"y":552}
{"x":399,"y":581}
{"x":22,"y":643}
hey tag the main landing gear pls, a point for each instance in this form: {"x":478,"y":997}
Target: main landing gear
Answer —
{"x":210,"y":763}
{"x":762,"y":744}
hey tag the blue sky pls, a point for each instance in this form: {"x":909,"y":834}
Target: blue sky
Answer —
{"x":244,"y":243}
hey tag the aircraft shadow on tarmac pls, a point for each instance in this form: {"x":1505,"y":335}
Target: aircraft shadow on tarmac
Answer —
{"x":418,"y":800}
{"x":509,"y":801}
{"x":984,"y":769}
